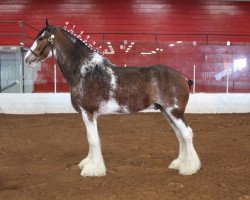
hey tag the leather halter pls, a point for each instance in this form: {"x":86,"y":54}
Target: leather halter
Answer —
{"x":50,"y":41}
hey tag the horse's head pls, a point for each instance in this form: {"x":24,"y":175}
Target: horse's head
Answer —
{"x":42,"y":46}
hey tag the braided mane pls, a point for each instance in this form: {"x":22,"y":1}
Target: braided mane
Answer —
{"x":84,"y":41}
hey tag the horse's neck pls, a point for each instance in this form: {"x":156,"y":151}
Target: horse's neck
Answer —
{"x":70,"y":55}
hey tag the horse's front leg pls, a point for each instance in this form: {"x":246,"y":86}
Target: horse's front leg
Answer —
{"x":93,"y":164}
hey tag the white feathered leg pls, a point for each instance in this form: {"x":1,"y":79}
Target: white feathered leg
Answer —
{"x":175,"y":164}
{"x":191,"y":164}
{"x":93,"y":164}
{"x":188,"y":161}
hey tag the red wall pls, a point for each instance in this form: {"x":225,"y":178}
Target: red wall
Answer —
{"x":149,"y":23}
{"x":130,"y":16}
{"x":137,"y":16}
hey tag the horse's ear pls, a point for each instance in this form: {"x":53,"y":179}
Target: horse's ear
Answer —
{"x":46,"y":22}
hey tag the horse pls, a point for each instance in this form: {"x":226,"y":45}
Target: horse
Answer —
{"x":99,"y":87}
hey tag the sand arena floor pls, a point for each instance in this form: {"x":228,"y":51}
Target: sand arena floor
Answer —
{"x":39,"y":155}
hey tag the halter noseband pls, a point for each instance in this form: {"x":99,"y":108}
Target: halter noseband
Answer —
{"x":51,"y":41}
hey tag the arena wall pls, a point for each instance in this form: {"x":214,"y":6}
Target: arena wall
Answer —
{"x":41,"y":103}
{"x":202,"y":26}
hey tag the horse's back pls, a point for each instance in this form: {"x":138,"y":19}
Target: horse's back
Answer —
{"x":164,"y":76}
{"x":152,"y":84}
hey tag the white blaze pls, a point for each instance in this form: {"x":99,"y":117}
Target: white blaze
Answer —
{"x":33,"y":47}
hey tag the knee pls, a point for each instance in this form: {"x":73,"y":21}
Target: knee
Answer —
{"x":188,"y":135}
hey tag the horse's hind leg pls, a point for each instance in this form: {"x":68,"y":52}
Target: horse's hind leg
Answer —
{"x":182,"y":152}
{"x":188,"y":161}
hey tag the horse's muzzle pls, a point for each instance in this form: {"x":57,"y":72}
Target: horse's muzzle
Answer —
{"x":29,"y":58}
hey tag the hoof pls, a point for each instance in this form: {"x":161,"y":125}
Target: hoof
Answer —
{"x":93,"y":169}
{"x":189,"y":167}
{"x":83,"y":162}
{"x":175,"y":164}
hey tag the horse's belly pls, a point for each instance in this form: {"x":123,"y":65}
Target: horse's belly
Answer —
{"x":112,"y":107}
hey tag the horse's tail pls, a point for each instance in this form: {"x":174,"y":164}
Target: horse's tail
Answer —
{"x":190,"y":82}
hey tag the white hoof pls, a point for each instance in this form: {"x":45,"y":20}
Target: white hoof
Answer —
{"x":93,"y":169}
{"x":83,"y":162}
{"x":189,"y":167}
{"x":175,"y":164}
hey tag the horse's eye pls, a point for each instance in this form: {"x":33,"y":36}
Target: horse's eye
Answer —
{"x":40,"y":39}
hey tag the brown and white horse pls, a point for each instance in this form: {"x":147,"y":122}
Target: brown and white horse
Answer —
{"x":98,"y":87}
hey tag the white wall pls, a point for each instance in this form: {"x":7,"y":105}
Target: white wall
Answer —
{"x":38,"y":103}
{"x":35,"y":103}
{"x":219,"y":103}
